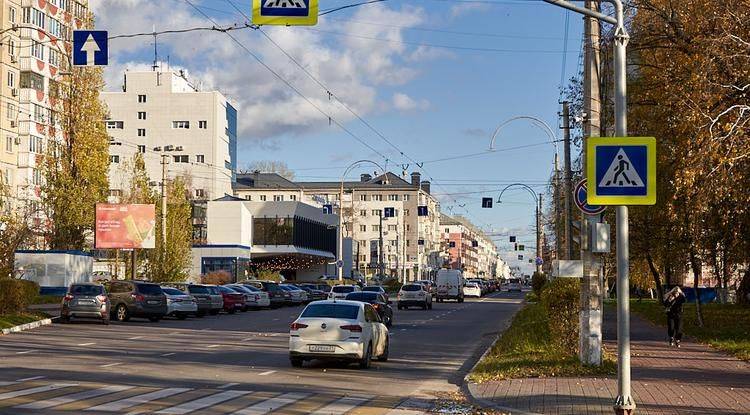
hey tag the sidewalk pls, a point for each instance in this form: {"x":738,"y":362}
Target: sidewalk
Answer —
{"x":693,"y":379}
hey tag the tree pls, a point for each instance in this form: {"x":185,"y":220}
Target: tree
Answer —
{"x":139,"y":191}
{"x":270,"y":166}
{"x":170,"y":260}
{"x":75,"y":166}
{"x":15,"y":231}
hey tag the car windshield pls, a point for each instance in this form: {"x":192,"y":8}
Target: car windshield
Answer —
{"x":344,"y":311}
{"x":472,"y":285}
{"x":285,"y":288}
{"x":251,"y":288}
{"x":343,"y":289}
{"x":227,"y":290}
{"x":513,"y":281}
{"x":172,"y":291}
{"x":412,"y":287}
{"x":86,"y":289}
{"x":198,"y":289}
{"x":238,"y":288}
{"x":363,"y":296}
{"x":375,"y":289}
{"x":150,"y":289}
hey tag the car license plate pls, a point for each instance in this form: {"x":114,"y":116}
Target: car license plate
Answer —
{"x":153,"y":302}
{"x":322,"y":348}
{"x":85,"y":302}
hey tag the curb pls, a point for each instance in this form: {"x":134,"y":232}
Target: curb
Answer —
{"x":484,"y":403}
{"x":27,"y":326}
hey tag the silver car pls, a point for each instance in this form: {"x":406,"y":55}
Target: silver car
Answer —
{"x":85,"y":300}
{"x":179,"y":303}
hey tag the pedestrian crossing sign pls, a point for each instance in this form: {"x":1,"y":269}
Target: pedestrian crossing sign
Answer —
{"x":285,"y":12}
{"x":621,"y":170}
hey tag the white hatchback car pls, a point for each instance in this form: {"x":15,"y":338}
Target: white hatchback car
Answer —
{"x":414,"y":295}
{"x":338,"y":330}
{"x":472,"y":289}
{"x":339,"y":292}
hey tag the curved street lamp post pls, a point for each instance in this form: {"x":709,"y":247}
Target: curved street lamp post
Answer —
{"x":538,"y":203}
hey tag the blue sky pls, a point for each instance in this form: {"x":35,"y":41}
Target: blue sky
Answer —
{"x":383,"y":60}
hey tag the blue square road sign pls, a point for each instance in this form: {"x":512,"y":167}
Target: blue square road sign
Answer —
{"x":90,"y":48}
{"x":621,"y":171}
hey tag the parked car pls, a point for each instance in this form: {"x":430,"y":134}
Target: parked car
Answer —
{"x":429,"y":286}
{"x":200,"y":293}
{"x":217,"y":299}
{"x":257,"y":298}
{"x":179,"y":303}
{"x":414,"y":295}
{"x":377,"y":301}
{"x":87,"y":301}
{"x":339,"y":292}
{"x":298,"y":295}
{"x":324,"y":287}
{"x":376,"y":289}
{"x":450,"y":283}
{"x":472,"y":289}
{"x":276,"y":295}
{"x":338,"y":330}
{"x":233,"y":300}
{"x":481,"y":285}
{"x":134,"y":298}
{"x":313,"y":293}
{"x":514,"y":284}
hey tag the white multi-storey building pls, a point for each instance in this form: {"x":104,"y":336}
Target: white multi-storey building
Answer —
{"x":161,"y":115}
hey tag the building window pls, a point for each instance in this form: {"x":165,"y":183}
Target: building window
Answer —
{"x":200,"y":193}
{"x":181,"y":159}
{"x":393,"y":198}
{"x":11,"y":113}
{"x":32,"y":80}
{"x":181,"y":124}
{"x":114,"y":159}
{"x":112,"y":125}
{"x":447,"y":230}
{"x":9,"y":144}
{"x":12,"y":14}
{"x":393,"y":242}
{"x":141,"y":132}
{"x":37,"y":50}
{"x":363,"y":212}
{"x":200,"y":158}
{"x":54,"y":57}
{"x":141,"y":148}
{"x":377,"y":212}
{"x":377,"y":198}
{"x":363,"y":228}
{"x":407,"y":242}
{"x":34,"y":16}
{"x":203,"y":124}
{"x":406,"y":198}
{"x":408,"y":227}
{"x":248,"y":197}
{"x":292,"y":197}
{"x":376,"y":228}
{"x":11,"y":47}
{"x":141,"y":115}
{"x":262,"y":198}
{"x":141,"y":99}
{"x":115,"y":192}
{"x":12,"y":79}
{"x":363,"y":198}
{"x":36,"y":144}
{"x":406,"y":212}
{"x":40,"y":114}
{"x":36,"y":177}
{"x":278,"y":198}
{"x":392,"y":227}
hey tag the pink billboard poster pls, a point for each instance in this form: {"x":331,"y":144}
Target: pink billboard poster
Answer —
{"x":125,"y":226}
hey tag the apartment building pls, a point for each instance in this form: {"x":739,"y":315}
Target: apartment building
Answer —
{"x":165,"y":117}
{"x":410,"y":242}
{"x":33,"y":58}
{"x":469,"y":248}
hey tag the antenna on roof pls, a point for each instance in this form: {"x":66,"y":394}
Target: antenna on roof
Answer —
{"x":155,"y":66}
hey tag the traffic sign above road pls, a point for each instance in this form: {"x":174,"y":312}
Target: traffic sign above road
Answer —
{"x":90,"y":48}
{"x":622,"y":170}
{"x":285,"y":12}
{"x":581,"y":198}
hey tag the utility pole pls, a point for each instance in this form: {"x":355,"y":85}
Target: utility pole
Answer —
{"x":568,"y":183}
{"x":556,"y":197}
{"x":538,"y":234}
{"x":591,"y":314}
{"x":380,"y":243}
{"x":164,"y":163}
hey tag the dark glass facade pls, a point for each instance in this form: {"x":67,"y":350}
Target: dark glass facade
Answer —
{"x":297,"y":231}
{"x":232,"y":135}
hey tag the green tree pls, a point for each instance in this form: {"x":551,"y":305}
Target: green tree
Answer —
{"x":170,"y":261}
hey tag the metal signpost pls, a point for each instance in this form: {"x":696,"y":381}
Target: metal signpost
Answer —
{"x":90,"y":48}
{"x":285,"y":12}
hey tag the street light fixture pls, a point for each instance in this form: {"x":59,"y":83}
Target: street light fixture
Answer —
{"x":538,"y":203}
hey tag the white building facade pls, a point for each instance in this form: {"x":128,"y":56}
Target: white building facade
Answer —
{"x":163,"y":116}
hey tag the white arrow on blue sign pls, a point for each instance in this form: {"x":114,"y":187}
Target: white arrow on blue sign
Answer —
{"x":90,"y":48}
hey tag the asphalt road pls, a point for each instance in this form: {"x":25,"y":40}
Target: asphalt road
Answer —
{"x":239,"y":364}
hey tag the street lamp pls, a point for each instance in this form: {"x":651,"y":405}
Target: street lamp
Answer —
{"x":538,"y":203}
{"x":340,"y":250}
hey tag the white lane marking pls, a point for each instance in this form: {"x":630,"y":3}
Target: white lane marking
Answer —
{"x":213,"y":346}
{"x":135,"y":338}
{"x":228,"y":385}
{"x":342,"y":405}
{"x":31,"y":378}
{"x":168,"y":354}
{"x":266,"y":373}
{"x":398,"y":411}
{"x":86,"y":344}
{"x":31,"y":391}
{"x":26,"y":352}
{"x":269,"y":405}
{"x":6,"y":383}
{"x":62,"y":400}
{"x":204,"y":402}
{"x":403,"y":329}
{"x":137,"y":400}
{"x":112,"y":364}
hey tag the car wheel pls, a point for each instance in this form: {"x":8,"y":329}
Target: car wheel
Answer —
{"x":461,"y":300}
{"x":65,"y":319}
{"x":181,"y":316}
{"x":384,"y":357}
{"x":400,"y":307}
{"x":364,"y":363}
{"x":154,"y":319}
{"x":121,"y":313}
{"x":296,"y":362}
{"x":244,"y":309}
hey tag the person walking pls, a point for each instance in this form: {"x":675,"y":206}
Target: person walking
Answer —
{"x":673,"y":301}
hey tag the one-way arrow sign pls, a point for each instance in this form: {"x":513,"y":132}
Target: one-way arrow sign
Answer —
{"x":90,"y":48}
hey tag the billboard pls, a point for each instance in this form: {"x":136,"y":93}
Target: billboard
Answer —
{"x":125,"y":226}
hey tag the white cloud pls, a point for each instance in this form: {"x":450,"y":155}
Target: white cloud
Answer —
{"x":403,"y":102}
{"x":461,"y":9}
{"x":355,"y":69}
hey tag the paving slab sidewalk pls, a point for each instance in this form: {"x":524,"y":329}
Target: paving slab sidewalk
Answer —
{"x":694,"y":379}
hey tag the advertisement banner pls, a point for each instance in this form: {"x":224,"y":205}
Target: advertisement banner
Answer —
{"x":125,"y":226}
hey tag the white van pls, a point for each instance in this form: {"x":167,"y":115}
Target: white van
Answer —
{"x":450,"y":285}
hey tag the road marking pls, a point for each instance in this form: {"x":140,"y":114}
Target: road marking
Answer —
{"x":405,"y":329}
{"x":214,"y":346}
{"x":26,"y":352}
{"x":342,"y":405}
{"x":112,"y":364}
{"x":31,"y":391}
{"x":168,"y":354}
{"x":266,"y":373}
{"x":6,"y":383}
{"x":62,"y":400}
{"x":31,"y":378}
{"x":269,"y":405}
{"x":204,"y":402}
{"x":228,"y":385}
{"x":86,"y":344}
{"x":136,"y":338}
{"x":137,"y":400}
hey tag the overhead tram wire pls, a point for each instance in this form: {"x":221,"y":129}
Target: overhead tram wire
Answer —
{"x":289,"y":84}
